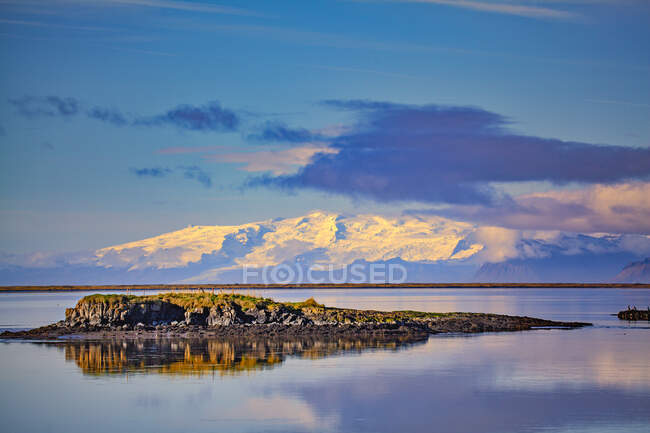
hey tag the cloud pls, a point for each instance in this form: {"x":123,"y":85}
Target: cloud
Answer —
{"x":618,"y":208}
{"x":189,"y":172}
{"x":453,"y":155}
{"x":107,"y":115}
{"x":50,"y":106}
{"x":504,"y":7}
{"x":183,"y":6}
{"x":186,"y":6}
{"x":195,"y":172}
{"x":151,"y":172}
{"x":278,"y":162}
{"x":278,"y":131}
{"x":617,"y":102}
{"x":57,"y":26}
{"x":210,"y":117}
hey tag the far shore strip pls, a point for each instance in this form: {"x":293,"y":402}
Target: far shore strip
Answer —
{"x":229,"y":287}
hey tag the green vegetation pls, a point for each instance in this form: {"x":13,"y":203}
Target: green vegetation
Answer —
{"x":192,"y":300}
{"x":186,"y":300}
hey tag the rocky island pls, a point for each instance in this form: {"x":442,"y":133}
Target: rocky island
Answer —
{"x":226,"y":315}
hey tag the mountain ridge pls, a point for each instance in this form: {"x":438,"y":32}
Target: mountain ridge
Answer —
{"x":635,"y":272}
{"x":428,"y":248}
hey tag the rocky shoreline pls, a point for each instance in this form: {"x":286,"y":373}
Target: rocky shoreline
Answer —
{"x":232,"y":315}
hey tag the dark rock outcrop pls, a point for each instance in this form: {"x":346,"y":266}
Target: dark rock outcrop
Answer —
{"x":634,"y":314}
{"x":123,"y":313}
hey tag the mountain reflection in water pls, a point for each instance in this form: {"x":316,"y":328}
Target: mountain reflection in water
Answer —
{"x":199,"y":356}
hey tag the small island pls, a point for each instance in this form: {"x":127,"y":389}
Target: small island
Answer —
{"x":235,"y":315}
{"x":633,"y":314}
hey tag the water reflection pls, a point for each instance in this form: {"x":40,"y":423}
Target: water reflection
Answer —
{"x":199,"y":356}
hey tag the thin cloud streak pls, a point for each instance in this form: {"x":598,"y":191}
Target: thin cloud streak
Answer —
{"x":277,"y":162}
{"x":186,"y":6}
{"x":501,"y":8}
{"x":58,"y":26}
{"x":615,"y":102}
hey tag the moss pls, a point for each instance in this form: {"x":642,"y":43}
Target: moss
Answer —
{"x":193,"y":300}
{"x":188,"y":301}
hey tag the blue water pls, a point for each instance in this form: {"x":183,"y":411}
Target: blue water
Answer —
{"x":594,"y":379}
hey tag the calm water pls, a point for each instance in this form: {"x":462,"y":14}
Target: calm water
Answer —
{"x":587,"y":380}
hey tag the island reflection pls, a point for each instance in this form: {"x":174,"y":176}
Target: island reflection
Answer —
{"x":201,"y":356}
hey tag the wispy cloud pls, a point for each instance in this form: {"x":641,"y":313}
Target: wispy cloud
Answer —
{"x":508,"y":8}
{"x":186,"y":6}
{"x":183,"y":6}
{"x":50,"y":106}
{"x":107,"y":115}
{"x":151,"y":172}
{"x":188,"y":172}
{"x":616,"y":102}
{"x":210,"y":117}
{"x":58,"y":26}
{"x":280,"y":132}
{"x":195,"y":172}
{"x":617,"y":208}
{"x":278,"y":162}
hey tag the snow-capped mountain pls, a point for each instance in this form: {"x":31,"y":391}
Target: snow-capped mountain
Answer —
{"x":324,"y":237}
{"x":331,"y":246}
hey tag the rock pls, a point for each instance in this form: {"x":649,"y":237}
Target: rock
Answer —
{"x":197,"y":317}
{"x":634,"y":314}
{"x":228,"y":314}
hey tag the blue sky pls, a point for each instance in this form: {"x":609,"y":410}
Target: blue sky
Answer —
{"x":575,"y":71}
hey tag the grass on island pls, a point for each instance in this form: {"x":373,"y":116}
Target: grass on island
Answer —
{"x":194,"y":300}
{"x":190,"y":301}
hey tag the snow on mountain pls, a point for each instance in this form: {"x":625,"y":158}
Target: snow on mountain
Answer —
{"x":333,"y":238}
{"x":430,"y":247}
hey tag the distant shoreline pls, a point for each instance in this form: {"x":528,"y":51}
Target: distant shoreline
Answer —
{"x":145,"y":287}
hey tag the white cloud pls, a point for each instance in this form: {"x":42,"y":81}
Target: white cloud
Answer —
{"x":618,"y":208}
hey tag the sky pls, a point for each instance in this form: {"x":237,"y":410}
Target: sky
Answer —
{"x":123,"y":119}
